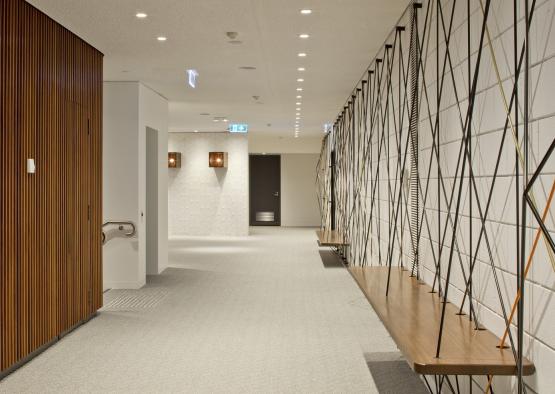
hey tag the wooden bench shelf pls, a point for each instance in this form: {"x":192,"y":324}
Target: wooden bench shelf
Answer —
{"x":330,"y":238}
{"x":412,"y":314}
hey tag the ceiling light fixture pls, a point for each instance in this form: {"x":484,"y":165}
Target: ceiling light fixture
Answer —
{"x":306,"y":11}
{"x":196,"y":131}
{"x":297,"y":109}
{"x":298,"y":114}
{"x":301,"y":69}
{"x":298,"y":103}
{"x":141,"y":15}
{"x":303,"y":35}
{"x":299,"y":89}
{"x":300,"y":80}
{"x":301,"y":54}
{"x":161,"y":38}
{"x":299,"y":97}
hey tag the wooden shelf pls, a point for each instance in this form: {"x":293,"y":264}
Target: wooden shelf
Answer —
{"x":330,"y":238}
{"x":412,"y":314}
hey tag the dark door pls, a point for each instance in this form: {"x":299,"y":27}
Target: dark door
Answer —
{"x":265,"y":190}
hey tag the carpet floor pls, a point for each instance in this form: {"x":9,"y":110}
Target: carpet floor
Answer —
{"x":269,"y":313}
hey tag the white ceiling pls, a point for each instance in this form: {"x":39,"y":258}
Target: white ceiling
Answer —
{"x":344,"y":36}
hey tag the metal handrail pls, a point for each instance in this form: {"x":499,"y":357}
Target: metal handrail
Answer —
{"x":120,"y":225}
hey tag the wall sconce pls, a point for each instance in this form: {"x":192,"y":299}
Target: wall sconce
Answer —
{"x":174,"y":159}
{"x":217,"y":159}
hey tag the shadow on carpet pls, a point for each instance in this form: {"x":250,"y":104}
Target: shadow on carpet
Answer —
{"x":330,"y":259}
{"x":392,"y":374}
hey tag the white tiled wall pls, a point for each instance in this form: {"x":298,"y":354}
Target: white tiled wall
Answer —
{"x":487,"y":128}
{"x":207,"y":201}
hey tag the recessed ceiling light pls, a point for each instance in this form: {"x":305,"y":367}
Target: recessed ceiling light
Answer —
{"x":141,"y":15}
{"x":196,"y":131}
{"x":216,"y":120}
{"x":302,"y":54}
{"x":297,"y":103}
{"x":297,"y":109}
{"x":303,"y":36}
{"x":225,"y":120}
{"x":301,"y":69}
{"x":299,"y":89}
{"x":306,"y":11}
{"x":298,"y":114}
{"x":299,"y":97}
{"x":297,"y":118}
{"x":300,"y":80}
{"x":161,"y":38}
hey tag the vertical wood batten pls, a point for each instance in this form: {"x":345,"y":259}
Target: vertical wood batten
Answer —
{"x":50,"y":256}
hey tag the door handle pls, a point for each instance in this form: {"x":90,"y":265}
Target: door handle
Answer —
{"x":276,"y":194}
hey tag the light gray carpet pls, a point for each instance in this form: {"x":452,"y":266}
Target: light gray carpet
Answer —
{"x":261,"y":314}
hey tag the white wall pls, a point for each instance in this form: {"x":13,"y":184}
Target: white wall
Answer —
{"x":121,"y":181}
{"x":501,"y":227}
{"x":153,"y":113}
{"x":299,"y":205}
{"x":129,"y":108}
{"x":278,"y":145}
{"x":487,"y":133}
{"x":206,"y":201}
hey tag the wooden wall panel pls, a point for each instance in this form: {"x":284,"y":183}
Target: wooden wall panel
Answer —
{"x":50,"y":221}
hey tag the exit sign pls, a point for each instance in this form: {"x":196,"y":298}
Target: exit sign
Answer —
{"x":238,"y":128}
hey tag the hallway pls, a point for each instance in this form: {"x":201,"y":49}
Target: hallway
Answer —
{"x":256,"y":314}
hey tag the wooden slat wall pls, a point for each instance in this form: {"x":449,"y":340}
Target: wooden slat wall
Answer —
{"x":50,"y":221}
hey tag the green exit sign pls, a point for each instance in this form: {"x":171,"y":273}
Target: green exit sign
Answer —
{"x":238,"y":128}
